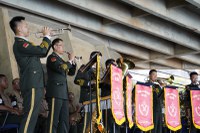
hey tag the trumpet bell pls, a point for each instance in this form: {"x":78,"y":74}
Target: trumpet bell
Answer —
{"x":169,"y":80}
{"x":121,"y":63}
{"x":125,"y":64}
{"x":130,"y":64}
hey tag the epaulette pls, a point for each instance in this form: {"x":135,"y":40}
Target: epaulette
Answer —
{"x":80,"y":82}
{"x":21,"y":40}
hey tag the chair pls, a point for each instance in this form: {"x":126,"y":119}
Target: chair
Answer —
{"x":6,"y":127}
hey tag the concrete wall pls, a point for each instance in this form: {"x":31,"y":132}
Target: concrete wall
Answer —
{"x":8,"y":65}
{"x":81,"y":47}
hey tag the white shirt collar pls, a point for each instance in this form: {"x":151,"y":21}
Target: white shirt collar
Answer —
{"x":61,"y":56}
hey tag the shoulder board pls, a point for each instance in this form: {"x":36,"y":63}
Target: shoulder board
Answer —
{"x":21,"y":40}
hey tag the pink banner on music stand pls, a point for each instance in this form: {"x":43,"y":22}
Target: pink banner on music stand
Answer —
{"x":172,"y":109}
{"x":195,"y":103}
{"x":144,"y":107}
{"x":117,"y":99}
{"x":129,"y":111}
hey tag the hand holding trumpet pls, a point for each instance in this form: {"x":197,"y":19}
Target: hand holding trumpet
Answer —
{"x":71,"y":56}
{"x":46,"y":31}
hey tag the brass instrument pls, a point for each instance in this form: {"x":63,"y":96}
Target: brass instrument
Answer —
{"x":169,"y":80}
{"x":55,"y":32}
{"x":76,"y":57}
{"x":125,"y":64}
{"x":163,"y":81}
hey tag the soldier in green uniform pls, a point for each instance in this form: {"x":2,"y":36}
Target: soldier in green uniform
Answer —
{"x":108,"y":119}
{"x":57,"y":90}
{"x":85,"y":80}
{"x":157,"y":101}
{"x":193,"y":85}
{"x":28,"y":57}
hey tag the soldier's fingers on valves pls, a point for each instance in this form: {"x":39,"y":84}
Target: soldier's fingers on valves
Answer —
{"x":46,"y":31}
{"x":71,"y":56}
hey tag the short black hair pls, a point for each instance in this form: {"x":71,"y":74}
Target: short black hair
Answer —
{"x":57,"y":40}
{"x":14,"y":80}
{"x":109,"y":61}
{"x":14,"y":21}
{"x":151,"y":71}
{"x":193,"y":73}
{"x":1,"y":77}
{"x":94,"y":53}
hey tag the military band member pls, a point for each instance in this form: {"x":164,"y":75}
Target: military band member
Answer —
{"x":85,"y":80}
{"x":28,"y":57}
{"x":194,"y":84}
{"x":183,"y":112}
{"x":57,"y":89}
{"x":157,"y":101}
{"x":108,"y":119}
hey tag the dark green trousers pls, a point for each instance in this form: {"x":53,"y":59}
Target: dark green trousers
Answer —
{"x":41,"y":126}
{"x":73,"y":129}
{"x":157,"y":119}
{"x":109,"y":121}
{"x":58,"y":119}
{"x":31,"y":102}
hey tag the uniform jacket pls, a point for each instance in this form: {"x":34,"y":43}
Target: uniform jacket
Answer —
{"x":28,"y":57}
{"x":105,"y":89}
{"x":57,"y":70}
{"x":188,"y":88}
{"x":157,"y":96}
{"x":83,"y":79}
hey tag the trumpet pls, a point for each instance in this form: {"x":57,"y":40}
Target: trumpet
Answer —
{"x":125,"y":65}
{"x":169,"y":80}
{"x":163,"y":81}
{"x":55,"y":32}
{"x":76,"y":57}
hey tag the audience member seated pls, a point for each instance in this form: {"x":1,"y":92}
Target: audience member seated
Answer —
{"x":74,"y":113}
{"x":17,"y":95}
{"x":5,"y":104}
